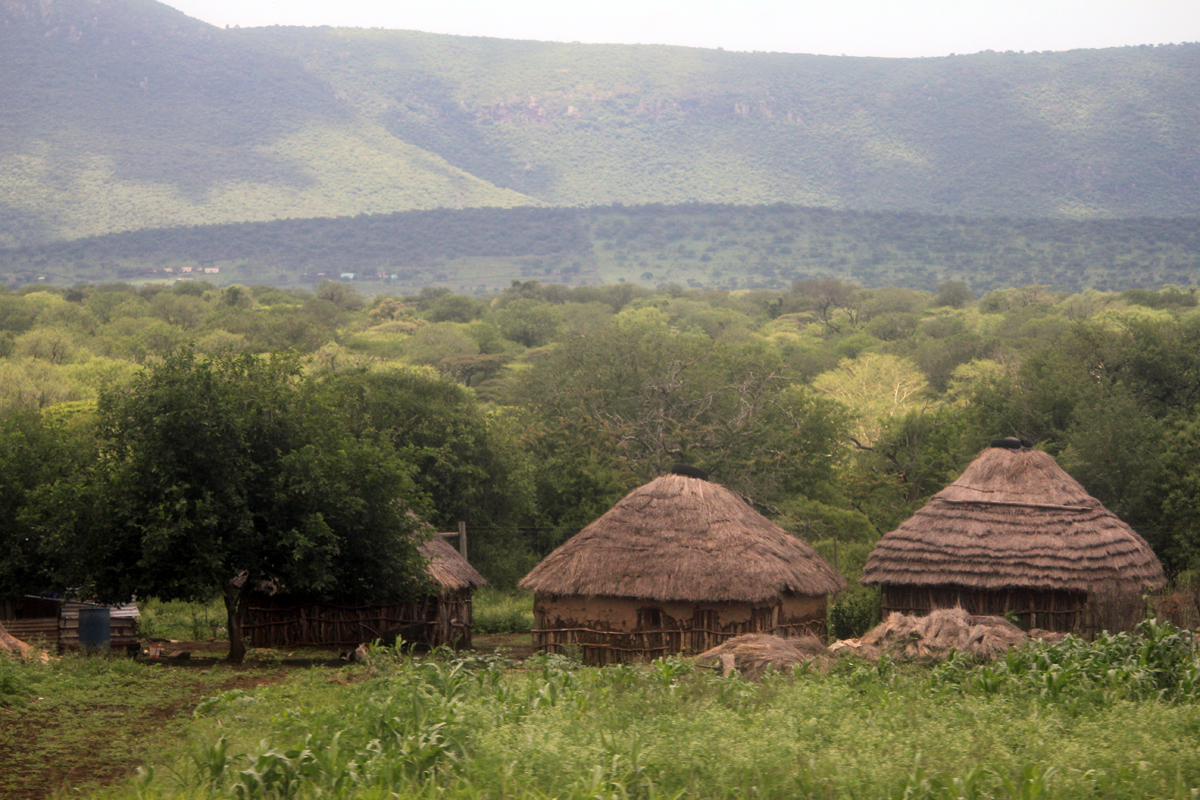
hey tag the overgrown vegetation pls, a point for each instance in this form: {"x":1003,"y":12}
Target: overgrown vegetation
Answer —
{"x":1155,"y":662}
{"x":1073,"y":720}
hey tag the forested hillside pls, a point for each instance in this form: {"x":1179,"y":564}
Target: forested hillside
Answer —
{"x":481,"y":251}
{"x":834,"y":408}
{"x":126,"y":114}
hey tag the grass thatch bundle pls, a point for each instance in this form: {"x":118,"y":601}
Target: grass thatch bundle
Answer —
{"x":753,"y":653}
{"x":1015,"y":519}
{"x":933,"y":636}
{"x":684,"y":538}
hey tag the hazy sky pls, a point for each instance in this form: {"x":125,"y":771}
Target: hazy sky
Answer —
{"x":904,"y":28}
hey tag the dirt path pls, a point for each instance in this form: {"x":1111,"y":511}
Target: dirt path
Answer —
{"x":78,"y":733}
{"x":81,"y":732}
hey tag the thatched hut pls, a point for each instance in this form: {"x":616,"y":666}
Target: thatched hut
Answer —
{"x":1016,"y":535}
{"x":677,"y":566}
{"x":277,"y":620}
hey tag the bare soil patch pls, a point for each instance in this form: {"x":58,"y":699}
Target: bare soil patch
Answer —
{"x":518,"y":646}
{"x":93,"y":737}
{"x":89,"y":738}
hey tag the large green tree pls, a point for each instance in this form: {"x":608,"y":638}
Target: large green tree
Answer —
{"x":217,"y":475}
{"x":37,"y":449}
{"x":649,"y":394}
{"x":465,"y":458}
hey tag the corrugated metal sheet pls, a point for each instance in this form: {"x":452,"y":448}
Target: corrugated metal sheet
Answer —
{"x":63,"y":630}
{"x":34,"y":630}
{"x":128,"y":610}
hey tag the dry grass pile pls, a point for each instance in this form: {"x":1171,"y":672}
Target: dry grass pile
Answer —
{"x":753,"y":653}
{"x":933,"y":636}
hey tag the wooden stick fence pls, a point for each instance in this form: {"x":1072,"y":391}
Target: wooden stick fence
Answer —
{"x":599,"y":646}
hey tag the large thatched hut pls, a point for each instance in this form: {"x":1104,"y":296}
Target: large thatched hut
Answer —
{"x":1016,"y":535}
{"x":443,"y":617}
{"x":677,"y":566}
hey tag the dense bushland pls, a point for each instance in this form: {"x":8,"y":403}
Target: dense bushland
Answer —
{"x":833,"y":408}
{"x":481,"y":251}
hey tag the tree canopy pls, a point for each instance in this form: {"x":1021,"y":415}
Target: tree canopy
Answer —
{"x":836,"y":409}
{"x":218,"y":475}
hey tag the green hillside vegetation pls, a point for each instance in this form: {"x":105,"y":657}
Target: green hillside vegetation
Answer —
{"x":834,"y":408}
{"x":128,"y":115}
{"x":481,"y":251}
{"x":132,"y":115}
{"x":1073,"y":134}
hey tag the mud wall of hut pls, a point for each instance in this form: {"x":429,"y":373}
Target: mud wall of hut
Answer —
{"x":277,"y":621}
{"x":610,"y":630}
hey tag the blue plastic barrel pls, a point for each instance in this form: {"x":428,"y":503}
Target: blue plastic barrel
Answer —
{"x":95,"y":628}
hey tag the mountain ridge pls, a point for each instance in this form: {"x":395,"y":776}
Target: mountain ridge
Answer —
{"x":138,"y":116}
{"x":126,"y":114}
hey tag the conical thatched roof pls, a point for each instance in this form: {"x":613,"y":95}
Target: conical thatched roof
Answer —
{"x":447,"y":568}
{"x":1015,"y":519}
{"x":683,"y":538}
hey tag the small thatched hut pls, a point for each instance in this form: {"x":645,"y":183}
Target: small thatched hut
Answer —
{"x":1015,"y":534}
{"x":677,"y":566}
{"x":443,"y":618}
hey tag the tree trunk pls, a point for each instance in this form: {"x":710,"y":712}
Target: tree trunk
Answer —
{"x":16,"y":647}
{"x":235,"y":607}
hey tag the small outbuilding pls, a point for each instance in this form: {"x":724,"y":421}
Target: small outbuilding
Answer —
{"x":442,"y":618}
{"x":677,"y":566}
{"x":54,"y":622}
{"x":1017,"y":536}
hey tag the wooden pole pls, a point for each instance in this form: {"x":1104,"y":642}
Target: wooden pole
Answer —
{"x":462,"y":538}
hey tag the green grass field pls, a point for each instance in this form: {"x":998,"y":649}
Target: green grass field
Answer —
{"x":1114,"y":719}
{"x":498,"y":611}
{"x":183,"y":621}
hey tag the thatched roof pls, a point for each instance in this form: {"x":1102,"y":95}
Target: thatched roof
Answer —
{"x":1015,"y":520}
{"x":447,"y":568}
{"x":683,"y":538}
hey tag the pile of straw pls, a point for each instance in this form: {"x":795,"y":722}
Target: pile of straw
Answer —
{"x":935,"y":635}
{"x":752,"y":653}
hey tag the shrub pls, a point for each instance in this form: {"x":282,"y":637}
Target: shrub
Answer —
{"x":497,"y":611}
{"x":855,"y":612}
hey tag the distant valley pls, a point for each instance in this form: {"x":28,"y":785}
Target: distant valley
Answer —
{"x":482,"y":251}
